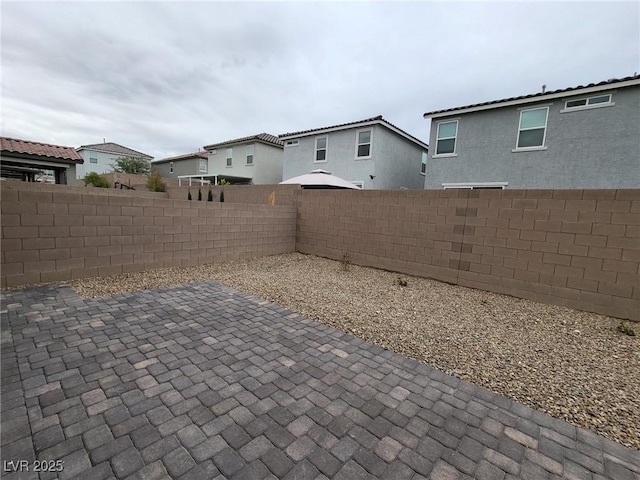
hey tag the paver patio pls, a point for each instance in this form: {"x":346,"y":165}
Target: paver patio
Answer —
{"x":203,"y":381}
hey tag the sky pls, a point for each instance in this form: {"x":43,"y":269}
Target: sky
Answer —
{"x":167,"y":78}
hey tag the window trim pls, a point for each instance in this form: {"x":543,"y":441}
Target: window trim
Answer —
{"x":170,"y":167}
{"x":358,"y":132}
{"x":544,"y":135}
{"x":91,"y":158}
{"x":252,"y":154}
{"x":587,"y":106}
{"x":423,"y":161}
{"x":200,"y":164}
{"x":229,"y":157}
{"x":315,"y":150}
{"x":455,"y":139}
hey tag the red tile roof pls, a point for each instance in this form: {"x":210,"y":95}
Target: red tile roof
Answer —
{"x":12,"y":145}
{"x":182,"y":157}
{"x":261,"y":137}
{"x":534,"y":97}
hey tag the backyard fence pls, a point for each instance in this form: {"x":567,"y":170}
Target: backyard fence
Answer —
{"x":578,"y":248}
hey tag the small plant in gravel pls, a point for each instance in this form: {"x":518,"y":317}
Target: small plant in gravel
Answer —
{"x":345,"y":263}
{"x":402,"y":281}
{"x":626,"y":329}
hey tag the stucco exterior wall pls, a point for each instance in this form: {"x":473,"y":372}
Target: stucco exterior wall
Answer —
{"x":595,"y":148}
{"x":266,"y":167}
{"x":104,"y":165}
{"x":180,"y":167}
{"x":394,"y":162}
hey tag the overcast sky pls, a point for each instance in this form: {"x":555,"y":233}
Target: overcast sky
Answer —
{"x":167,"y":78}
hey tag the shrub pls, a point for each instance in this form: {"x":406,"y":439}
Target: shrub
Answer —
{"x":189,"y":195}
{"x":155,"y":183}
{"x":345,"y":263}
{"x":627,"y":330}
{"x":210,"y":196}
{"x":402,"y":282}
{"x":199,"y":195}
{"x":93,"y":178}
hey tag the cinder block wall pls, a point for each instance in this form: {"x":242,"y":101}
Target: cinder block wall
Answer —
{"x":254,"y":194}
{"x":70,"y":232}
{"x":578,"y":248}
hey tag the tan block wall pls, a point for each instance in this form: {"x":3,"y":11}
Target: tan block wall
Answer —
{"x":254,"y":194}
{"x":578,"y":248}
{"x":69,"y":232}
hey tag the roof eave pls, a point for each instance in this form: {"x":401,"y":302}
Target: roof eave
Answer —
{"x":242,"y":142}
{"x":535,"y":99}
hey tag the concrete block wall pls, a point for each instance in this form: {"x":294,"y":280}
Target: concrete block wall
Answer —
{"x":577,"y":248}
{"x":69,"y":232}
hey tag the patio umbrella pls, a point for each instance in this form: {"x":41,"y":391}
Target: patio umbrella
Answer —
{"x":320,"y":179}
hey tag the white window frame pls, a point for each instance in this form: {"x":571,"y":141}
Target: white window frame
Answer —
{"x":358,"y":132}
{"x":251,"y":147}
{"x":475,"y":185}
{"x":326,"y":149}
{"x":292,"y":143}
{"x":170,"y":167}
{"x":229,"y":157}
{"x":92,"y":158}
{"x":423,"y":163}
{"x":544,"y":136}
{"x":455,"y":139}
{"x":358,"y":183}
{"x":587,"y":105}
{"x":202,"y":162}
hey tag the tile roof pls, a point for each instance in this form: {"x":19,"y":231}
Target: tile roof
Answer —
{"x":182,"y":157}
{"x":367,"y":121}
{"x":13,"y":145}
{"x":261,"y":137}
{"x":536,"y":96}
{"x":110,"y":147}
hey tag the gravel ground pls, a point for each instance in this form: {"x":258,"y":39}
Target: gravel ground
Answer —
{"x":573,"y":365}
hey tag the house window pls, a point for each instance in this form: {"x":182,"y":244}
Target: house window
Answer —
{"x":446,"y":138}
{"x":291,"y":143}
{"x":229,"y":156}
{"x":533,"y":127}
{"x":171,"y":167}
{"x":589,"y":102}
{"x":363,"y":146}
{"x":250,"y":149}
{"x":321,"y":149}
{"x":423,"y":165}
{"x":93,"y":157}
{"x":202,"y":165}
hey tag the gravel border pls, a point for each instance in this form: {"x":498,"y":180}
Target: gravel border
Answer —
{"x":573,"y":365}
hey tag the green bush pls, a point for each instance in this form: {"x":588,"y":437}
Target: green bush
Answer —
{"x":97,"y":180}
{"x":155,"y":183}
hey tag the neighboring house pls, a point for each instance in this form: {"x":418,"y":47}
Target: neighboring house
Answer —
{"x":100,"y":157}
{"x":371,"y":153}
{"x":249,"y":160}
{"x":34,"y":161}
{"x":189,"y":164}
{"x":580,"y":137}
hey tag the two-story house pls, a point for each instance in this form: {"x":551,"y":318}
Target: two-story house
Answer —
{"x":100,"y":157}
{"x":190,"y":164}
{"x":256,"y":160}
{"x":371,"y":153}
{"x":579,"y":137}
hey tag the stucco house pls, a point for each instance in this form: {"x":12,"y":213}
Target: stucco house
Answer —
{"x":100,"y":157}
{"x":578,"y":137}
{"x":256,"y":160}
{"x":29,"y":161}
{"x":371,"y":153}
{"x":189,"y":164}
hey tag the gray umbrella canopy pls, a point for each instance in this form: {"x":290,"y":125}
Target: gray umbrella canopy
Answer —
{"x":320,"y":179}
